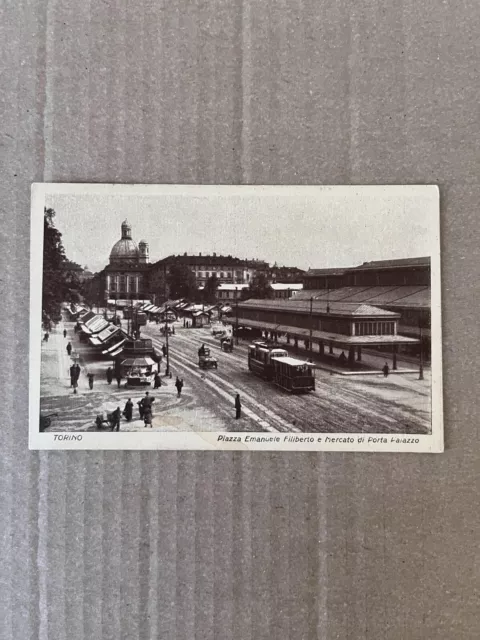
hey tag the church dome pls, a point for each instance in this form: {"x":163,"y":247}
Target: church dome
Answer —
{"x":125,"y":249}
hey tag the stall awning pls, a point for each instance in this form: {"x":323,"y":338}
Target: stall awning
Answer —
{"x":114,"y":349}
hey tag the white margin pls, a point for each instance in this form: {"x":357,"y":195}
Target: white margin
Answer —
{"x":372,"y":442}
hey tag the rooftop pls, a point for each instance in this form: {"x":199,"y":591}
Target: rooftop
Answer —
{"x":392,"y":264}
{"x":319,"y":307}
{"x":218,"y":260}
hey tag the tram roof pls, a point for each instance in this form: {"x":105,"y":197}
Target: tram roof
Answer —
{"x":319,"y":307}
{"x":292,"y":361}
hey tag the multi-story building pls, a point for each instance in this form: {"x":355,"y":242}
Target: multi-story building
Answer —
{"x":228,"y":269}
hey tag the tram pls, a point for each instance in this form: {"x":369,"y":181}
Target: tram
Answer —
{"x":272,"y":362}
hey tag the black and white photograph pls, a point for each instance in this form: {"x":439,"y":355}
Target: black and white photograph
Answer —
{"x":218,"y":317}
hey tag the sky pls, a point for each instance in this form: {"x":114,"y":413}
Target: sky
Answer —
{"x":305,"y":227}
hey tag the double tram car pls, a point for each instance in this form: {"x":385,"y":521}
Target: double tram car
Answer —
{"x":295,"y":376}
{"x":260,"y":356}
{"x":272,"y":362}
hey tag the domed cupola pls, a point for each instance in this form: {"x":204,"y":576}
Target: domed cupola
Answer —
{"x":125,"y":250}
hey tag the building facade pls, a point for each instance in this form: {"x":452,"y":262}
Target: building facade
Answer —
{"x":228,"y":270}
{"x":126,"y":276}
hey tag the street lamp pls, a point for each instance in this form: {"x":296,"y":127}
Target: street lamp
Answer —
{"x":311,"y":327}
{"x":420,"y":371}
{"x":167,"y":370}
{"x":236,"y":315}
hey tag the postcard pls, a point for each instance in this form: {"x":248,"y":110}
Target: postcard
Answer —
{"x":268,"y":318}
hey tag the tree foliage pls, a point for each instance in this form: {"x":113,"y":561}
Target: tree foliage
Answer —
{"x":259,"y":288}
{"x":60,"y":278}
{"x":210,"y":290}
{"x":181,"y":282}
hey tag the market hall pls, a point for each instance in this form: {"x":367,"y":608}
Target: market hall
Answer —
{"x":348,"y":326}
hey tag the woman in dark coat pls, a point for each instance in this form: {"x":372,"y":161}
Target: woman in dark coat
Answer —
{"x":147,"y":416}
{"x":91,"y":377}
{"x":140,"y":408}
{"x":128,"y":410}
{"x":109,"y":375}
{"x":157,"y":382}
{"x":69,"y":348}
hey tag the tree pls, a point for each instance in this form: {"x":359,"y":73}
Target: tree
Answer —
{"x":210,"y":290}
{"x":60,"y":280}
{"x":181,"y":282}
{"x":259,"y":288}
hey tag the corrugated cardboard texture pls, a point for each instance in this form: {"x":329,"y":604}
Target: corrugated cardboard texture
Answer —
{"x":242,"y":546}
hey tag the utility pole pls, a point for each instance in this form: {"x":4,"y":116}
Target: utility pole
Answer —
{"x":311,"y":327}
{"x":420,"y":372}
{"x":167,"y":370}
{"x":236,"y":315}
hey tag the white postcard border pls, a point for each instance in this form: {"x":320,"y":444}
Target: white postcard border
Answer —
{"x":214,"y":441}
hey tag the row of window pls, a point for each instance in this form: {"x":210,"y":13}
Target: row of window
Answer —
{"x":374,"y":328}
{"x":222,"y":275}
{"x":222,"y":270}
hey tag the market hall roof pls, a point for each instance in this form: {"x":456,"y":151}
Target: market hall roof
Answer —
{"x":401,"y":296}
{"x":319,"y":307}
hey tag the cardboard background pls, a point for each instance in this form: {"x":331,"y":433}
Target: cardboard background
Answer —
{"x":235,"y":546}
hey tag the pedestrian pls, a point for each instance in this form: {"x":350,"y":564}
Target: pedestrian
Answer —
{"x":164,"y":350}
{"x":147,"y":417}
{"x":386,"y":370}
{"x":64,"y":333}
{"x":128,"y":410}
{"x":179,"y":385}
{"x":157,"y":381}
{"x":69,"y":347}
{"x":238,"y":407}
{"x":119,"y":379}
{"x":46,"y":336}
{"x":140,"y":409}
{"x":109,"y":375}
{"x":77,"y":371}
{"x":90,"y":377}
{"x":147,"y":401}
{"x":116,"y":419}
{"x":73,"y":373}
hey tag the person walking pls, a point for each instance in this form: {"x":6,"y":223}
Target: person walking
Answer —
{"x":46,"y":336}
{"x":109,"y":375}
{"x":69,"y":348}
{"x":128,"y":410}
{"x":140,"y":409}
{"x":386,"y":370}
{"x":157,"y":381}
{"x":238,"y":407}
{"x":147,"y":417}
{"x":77,"y":371}
{"x":73,"y":375}
{"x":64,"y":333}
{"x":91,"y":377}
{"x":119,"y":379}
{"x":116,"y":419}
{"x":179,"y":385}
